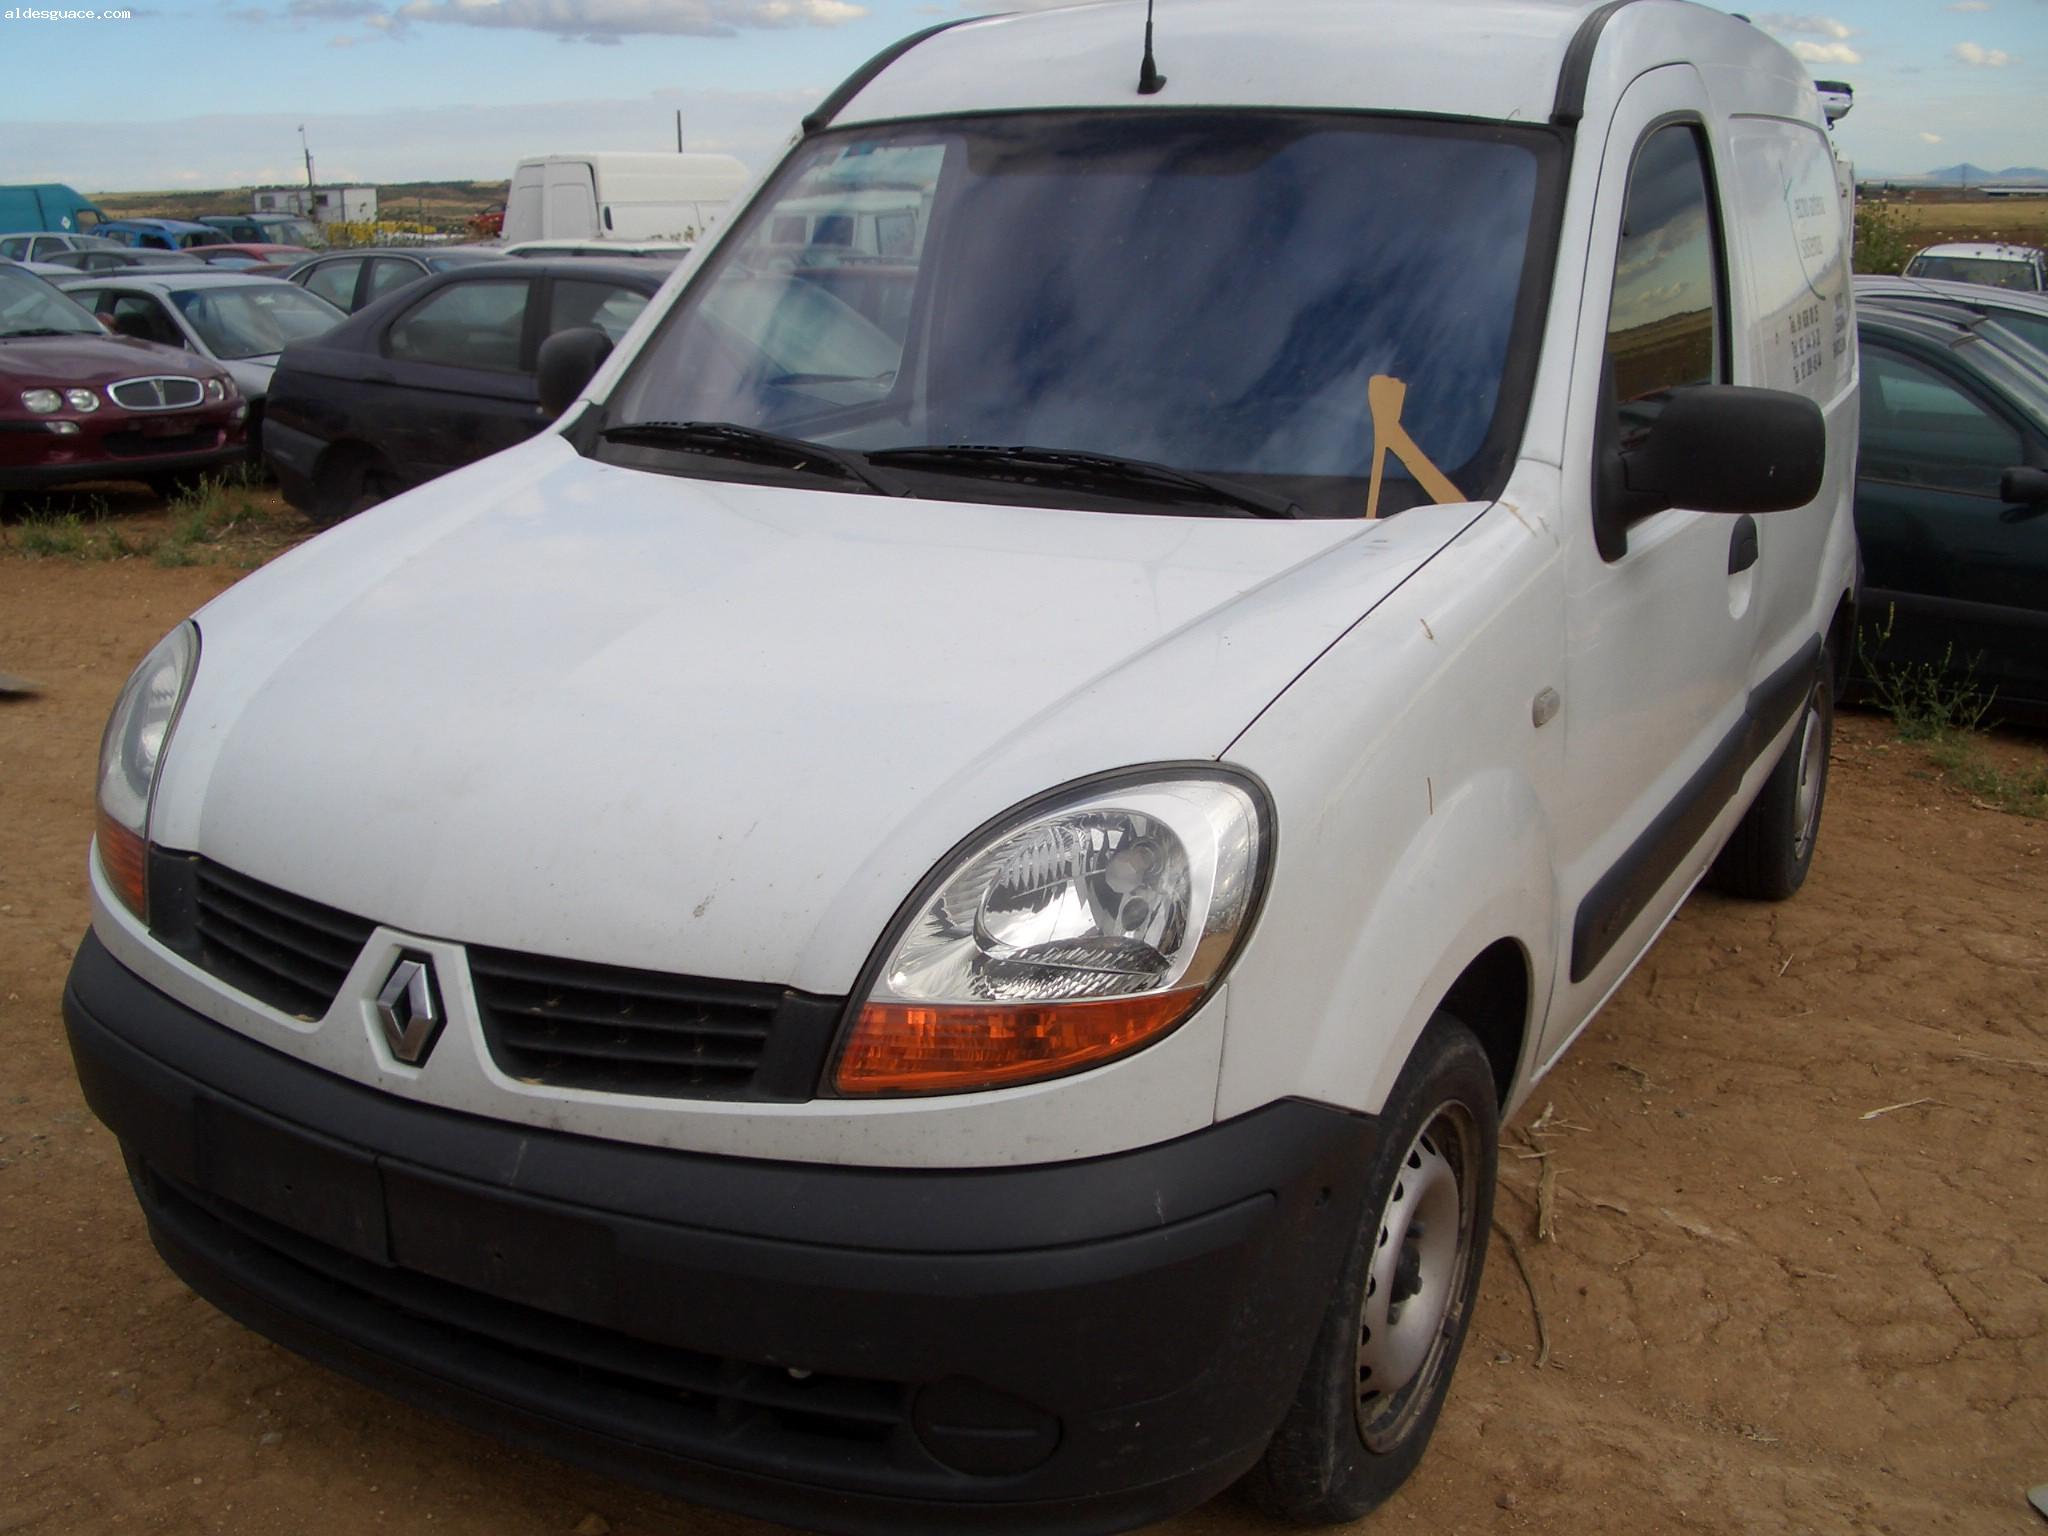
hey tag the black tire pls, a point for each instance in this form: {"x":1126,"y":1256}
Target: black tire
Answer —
{"x":351,"y":480}
{"x":1347,"y":1442}
{"x":1771,"y":849}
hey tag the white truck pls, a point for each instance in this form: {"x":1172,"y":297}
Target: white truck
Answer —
{"x":931,"y":924}
{"x":620,"y":195}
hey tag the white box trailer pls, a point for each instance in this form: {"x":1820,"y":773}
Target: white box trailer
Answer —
{"x":620,"y":195}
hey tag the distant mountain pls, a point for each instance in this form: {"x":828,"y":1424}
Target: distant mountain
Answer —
{"x":1977,"y":176}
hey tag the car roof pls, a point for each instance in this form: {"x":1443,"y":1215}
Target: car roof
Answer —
{"x":1485,"y":59}
{"x":1975,"y":295}
{"x":652,"y":270}
{"x":1981,"y":250}
{"x":168,"y":282}
{"x":180,"y":224}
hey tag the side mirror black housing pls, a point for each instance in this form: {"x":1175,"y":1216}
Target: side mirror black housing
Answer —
{"x":1713,"y":448}
{"x":567,"y":361}
{"x":1731,"y":448}
{"x":2024,"y":486}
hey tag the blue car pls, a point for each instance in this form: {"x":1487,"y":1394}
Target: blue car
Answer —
{"x":159,"y":234}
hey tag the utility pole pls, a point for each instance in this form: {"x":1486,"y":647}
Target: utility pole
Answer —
{"x":679,"y":130}
{"x":312,"y":196}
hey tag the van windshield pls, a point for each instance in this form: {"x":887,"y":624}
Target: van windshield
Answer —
{"x":1289,"y":301}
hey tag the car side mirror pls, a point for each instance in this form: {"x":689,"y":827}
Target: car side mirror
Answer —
{"x":2024,"y":490}
{"x":568,"y":360}
{"x":1710,"y":447}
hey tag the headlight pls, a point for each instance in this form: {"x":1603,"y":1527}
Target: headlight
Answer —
{"x":132,"y":754}
{"x":215,"y":390}
{"x":1067,"y":939}
{"x":81,"y":399}
{"x":42,"y":401}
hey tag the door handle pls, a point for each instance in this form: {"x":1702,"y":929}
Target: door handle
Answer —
{"x":1743,"y":548}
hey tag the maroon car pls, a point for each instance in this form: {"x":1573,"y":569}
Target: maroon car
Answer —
{"x":78,"y":404}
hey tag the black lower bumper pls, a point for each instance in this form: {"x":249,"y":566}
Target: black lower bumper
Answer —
{"x":1071,"y":1347}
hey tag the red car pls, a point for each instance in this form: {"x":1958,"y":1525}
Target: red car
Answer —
{"x":78,"y":404}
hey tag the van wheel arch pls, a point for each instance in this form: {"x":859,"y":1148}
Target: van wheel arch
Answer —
{"x":1491,"y":999}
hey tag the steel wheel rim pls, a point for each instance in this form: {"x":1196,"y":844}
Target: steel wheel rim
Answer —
{"x":1812,"y":769}
{"x":1415,"y":1277}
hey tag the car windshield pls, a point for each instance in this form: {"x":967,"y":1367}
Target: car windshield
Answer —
{"x":1990,"y":270}
{"x":1307,"y":304}
{"x":31,"y":307}
{"x":256,"y":320}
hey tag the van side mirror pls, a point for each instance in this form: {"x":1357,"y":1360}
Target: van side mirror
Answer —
{"x":1713,"y":448}
{"x":568,"y":360}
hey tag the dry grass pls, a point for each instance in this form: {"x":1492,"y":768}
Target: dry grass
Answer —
{"x":2022,"y":221}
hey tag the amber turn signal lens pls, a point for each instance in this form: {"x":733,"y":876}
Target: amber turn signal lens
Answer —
{"x":954,"y":1047}
{"x":125,"y":858}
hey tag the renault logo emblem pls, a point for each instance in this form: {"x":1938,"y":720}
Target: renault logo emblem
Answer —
{"x":409,"y":1009}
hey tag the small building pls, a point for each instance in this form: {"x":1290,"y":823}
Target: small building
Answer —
{"x":329,"y":205}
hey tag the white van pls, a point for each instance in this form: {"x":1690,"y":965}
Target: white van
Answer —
{"x":617,"y":195}
{"x":932,"y":923}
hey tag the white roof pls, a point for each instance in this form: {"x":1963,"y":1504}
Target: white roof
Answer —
{"x":1980,"y":251}
{"x":1496,"y":59}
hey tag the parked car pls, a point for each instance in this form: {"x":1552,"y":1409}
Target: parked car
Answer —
{"x":2021,"y":267}
{"x":78,"y":404}
{"x":1952,"y":511}
{"x":266,"y":229}
{"x":159,"y":234}
{"x":124,"y":260}
{"x":437,"y":375}
{"x":239,"y":321}
{"x":244,"y":258}
{"x":2016,"y":313}
{"x":354,"y":278}
{"x":944,"y":945}
{"x":28,"y":245}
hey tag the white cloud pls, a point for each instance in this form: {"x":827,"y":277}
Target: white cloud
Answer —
{"x":1807,"y":26}
{"x":1929,"y":138}
{"x":1967,"y":6}
{"x":1981,"y":58}
{"x":1825,"y":53}
{"x":609,"y":20}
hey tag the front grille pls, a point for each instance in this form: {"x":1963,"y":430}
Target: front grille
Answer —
{"x":164,"y":392}
{"x":679,"y":1400}
{"x":278,"y":948}
{"x":573,"y":1025}
{"x":559,"y":1023}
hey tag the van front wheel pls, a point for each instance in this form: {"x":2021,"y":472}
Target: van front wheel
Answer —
{"x":1390,"y":1340}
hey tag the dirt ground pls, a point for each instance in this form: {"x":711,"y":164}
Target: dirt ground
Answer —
{"x":1794,"y":1282}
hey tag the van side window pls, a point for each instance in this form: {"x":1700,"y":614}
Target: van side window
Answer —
{"x":1664,"y":322}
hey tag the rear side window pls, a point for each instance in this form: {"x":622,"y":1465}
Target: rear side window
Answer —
{"x":1664,"y":323}
{"x":335,"y":281}
{"x":607,"y":306}
{"x":15,"y":249}
{"x":466,"y":325}
{"x":388,"y":274}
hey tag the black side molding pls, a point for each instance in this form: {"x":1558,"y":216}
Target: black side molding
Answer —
{"x":1570,"y":104}
{"x":860,"y":79}
{"x":1619,"y":896}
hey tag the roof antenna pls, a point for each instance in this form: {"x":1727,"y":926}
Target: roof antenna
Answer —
{"x":1149,"y":78}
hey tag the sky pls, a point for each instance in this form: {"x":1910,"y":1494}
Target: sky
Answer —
{"x":214,"y":93}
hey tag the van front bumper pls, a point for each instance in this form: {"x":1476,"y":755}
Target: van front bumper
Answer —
{"x":1067,"y":1347}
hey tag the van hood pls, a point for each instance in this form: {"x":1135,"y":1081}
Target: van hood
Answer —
{"x":718,"y":729}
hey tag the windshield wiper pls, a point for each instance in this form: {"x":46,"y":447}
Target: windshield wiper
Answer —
{"x":728,"y":439}
{"x":45,"y":330}
{"x":1092,"y":471}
